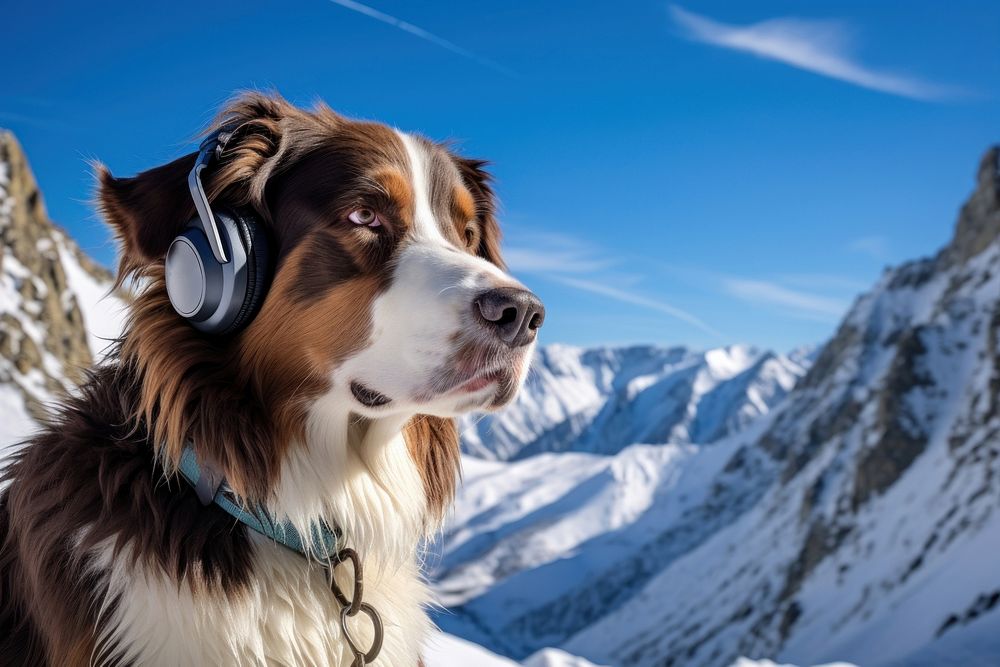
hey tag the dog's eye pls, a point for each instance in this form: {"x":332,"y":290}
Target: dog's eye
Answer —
{"x":471,"y":236}
{"x":366,"y":217}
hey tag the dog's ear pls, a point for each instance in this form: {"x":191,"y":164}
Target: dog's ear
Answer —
{"x":148,"y":210}
{"x":478,"y":180}
{"x":434,"y":447}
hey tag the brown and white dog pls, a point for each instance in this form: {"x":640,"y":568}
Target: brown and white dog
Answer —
{"x":334,"y":404}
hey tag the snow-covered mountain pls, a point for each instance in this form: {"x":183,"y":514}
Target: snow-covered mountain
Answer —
{"x":48,"y":289}
{"x":859,"y":520}
{"x":602,"y":400}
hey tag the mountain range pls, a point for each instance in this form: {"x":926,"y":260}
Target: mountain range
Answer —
{"x":855,"y":519}
{"x":602,"y":400}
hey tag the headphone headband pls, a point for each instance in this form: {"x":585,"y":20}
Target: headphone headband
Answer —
{"x":217,"y":269}
{"x":211,"y":149}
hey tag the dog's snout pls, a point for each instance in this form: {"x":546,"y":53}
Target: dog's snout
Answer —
{"x":513,"y":314}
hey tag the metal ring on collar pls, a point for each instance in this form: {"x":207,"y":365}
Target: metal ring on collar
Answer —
{"x":376,"y":646}
{"x":354,"y":604}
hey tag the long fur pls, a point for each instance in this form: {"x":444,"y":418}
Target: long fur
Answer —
{"x":106,"y":555}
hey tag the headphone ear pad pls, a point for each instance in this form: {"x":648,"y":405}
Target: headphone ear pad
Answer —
{"x":258,"y":252}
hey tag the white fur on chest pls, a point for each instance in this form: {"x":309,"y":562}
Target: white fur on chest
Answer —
{"x":288,"y":616}
{"x":369,"y":486}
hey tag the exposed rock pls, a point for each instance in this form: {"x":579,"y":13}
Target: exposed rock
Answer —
{"x":44,"y":345}
{"x":901,"y":440}
{"x":979,"y":220}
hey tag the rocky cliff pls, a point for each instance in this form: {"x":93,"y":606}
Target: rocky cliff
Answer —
{"x":53,"y":315}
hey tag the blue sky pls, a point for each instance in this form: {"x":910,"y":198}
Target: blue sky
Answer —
{"x":699,"y":173}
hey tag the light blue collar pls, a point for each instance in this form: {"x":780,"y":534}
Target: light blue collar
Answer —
{"x":211,"y":488}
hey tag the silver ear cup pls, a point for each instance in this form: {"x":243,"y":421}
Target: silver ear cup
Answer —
{"x":193,"y":284}
{"x":203,"y":291}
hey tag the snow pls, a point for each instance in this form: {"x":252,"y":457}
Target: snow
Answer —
{"x":776,"y":541}
{"x":604,"y":399}
{"x":444,"y":650}
{"x":912,"y":557}
{"x":553,"y":657}
{"x":15,"y":422}
{"x":525,"y":534}
{"x":747,"y":662}
{"x":103,"y":312}
{"x":39,"y":384}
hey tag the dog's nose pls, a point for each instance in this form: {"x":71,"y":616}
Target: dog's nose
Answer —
{"x":512,"y":313}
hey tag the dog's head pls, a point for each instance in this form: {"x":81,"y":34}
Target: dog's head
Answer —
{"x":389,"y":291}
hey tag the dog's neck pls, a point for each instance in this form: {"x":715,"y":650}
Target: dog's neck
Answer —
{"x":358,"y":475}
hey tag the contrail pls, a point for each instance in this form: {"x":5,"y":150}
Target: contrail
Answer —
{"x":637,"y":300}
{"x":417,"y":31}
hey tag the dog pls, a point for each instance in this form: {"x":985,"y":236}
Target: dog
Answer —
{"x":325,"y":416}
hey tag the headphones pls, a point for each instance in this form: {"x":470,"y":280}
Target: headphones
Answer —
{"x":218,"y":269}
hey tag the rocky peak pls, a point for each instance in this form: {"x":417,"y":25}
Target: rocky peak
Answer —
{"x":979,"y":220}
{"x":44,"y":343}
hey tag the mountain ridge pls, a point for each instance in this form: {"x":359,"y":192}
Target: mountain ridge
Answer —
{"x":873,"y":482}
{"x":602,"y":399}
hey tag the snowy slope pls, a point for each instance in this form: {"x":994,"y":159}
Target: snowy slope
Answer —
{"x":443,"y":650}
{"x":857,"y":521}
{"x":603,"y":399}
{"x":15,"y":422}
{"x":530,"y":539}
{"x":747,"y":662}
{"x":102,"y":307}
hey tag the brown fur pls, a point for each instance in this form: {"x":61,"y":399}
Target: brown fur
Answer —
{"x":479,"y":182}
{"x":88,"y":478}
{"x":433,"y":444}
{"x":242,"y":400}
{"x":105,"y":459}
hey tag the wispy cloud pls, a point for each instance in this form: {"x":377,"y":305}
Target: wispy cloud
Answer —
{"x":795,"y":302}
{"x":419,"y":32}
{"x":876,"y":247}
{"x":824,"y":281}
{"x":571,"y":262}
{"x":544,"y":252}
{"x":32,"y":119}
{"x":626,"y":296}
{"x":821,"y":47}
